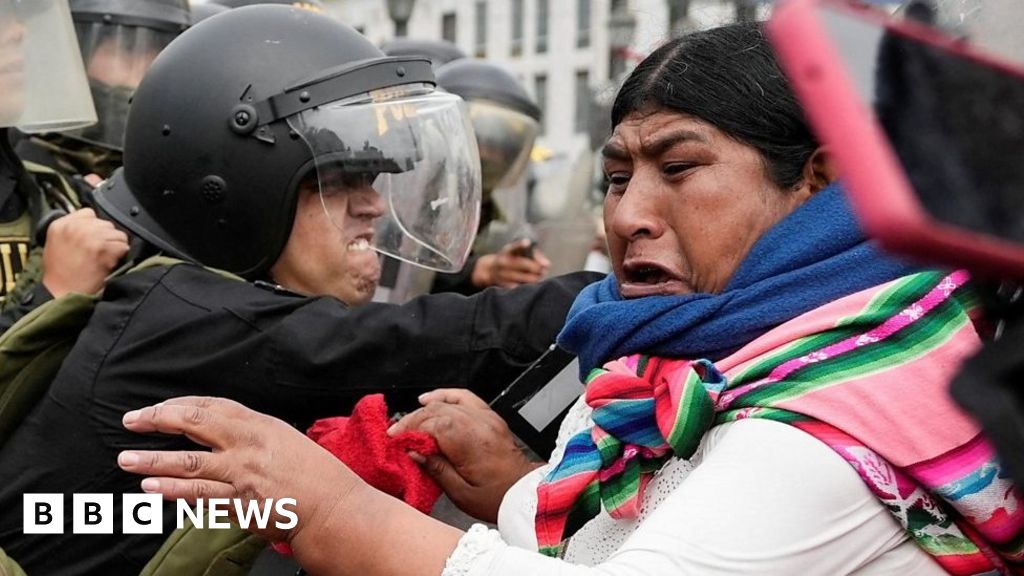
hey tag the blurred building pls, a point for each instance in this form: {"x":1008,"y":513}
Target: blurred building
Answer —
{"x":571,"y":56}
{"x":564,"y":51}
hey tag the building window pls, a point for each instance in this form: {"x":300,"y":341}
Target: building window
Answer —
{"x":582,"y":101}
{"x":481,"y":29}
{"x":582,"y":23}
{"x":540,"y":94}
{"x":517,"y":28}
{"x":448,"y":27}
{"x":542,"y":26}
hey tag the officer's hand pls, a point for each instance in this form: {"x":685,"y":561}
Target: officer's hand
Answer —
{"x":512,"y":266}
{"x":93,"y":180}
{"x":479,"y":458}
{"x":81,"y":251}
{"x":254,"y":457}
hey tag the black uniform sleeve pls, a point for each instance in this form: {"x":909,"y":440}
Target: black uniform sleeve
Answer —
{"x":460,"y":282}
{"x":183,"y":331}
{"x":481,"y":342}
{"x":27,"y":302}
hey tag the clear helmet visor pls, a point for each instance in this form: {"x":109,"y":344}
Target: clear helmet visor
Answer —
{"x":116,"y":58}
{"x":42,"y":83}
{"x":414,"y":146}
{"x":505,"y":138}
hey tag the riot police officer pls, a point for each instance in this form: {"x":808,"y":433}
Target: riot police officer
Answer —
{"x":43,"y":88}
{"x":281,"y":147}
{"x":440,"y":52}
{"x":506,"y":123}
{"x":118,"y":40}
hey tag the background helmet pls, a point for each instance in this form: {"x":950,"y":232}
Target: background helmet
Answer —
{"x":440,"y":52}
{"x":43,"y":87}
{"x":312,"y":5}
{"x":238,"y":111}
{"x":203,"y":11}
{"x":505,"y":118}
{"x":119,"y":40}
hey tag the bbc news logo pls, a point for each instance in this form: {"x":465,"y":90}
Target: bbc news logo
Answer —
{"x":144,"y":513}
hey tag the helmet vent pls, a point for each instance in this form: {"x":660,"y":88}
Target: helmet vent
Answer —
{"x":213,"y":189}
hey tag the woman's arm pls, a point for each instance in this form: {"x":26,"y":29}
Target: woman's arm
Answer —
{"x":766,"y":499}
{"x":344,"y":525}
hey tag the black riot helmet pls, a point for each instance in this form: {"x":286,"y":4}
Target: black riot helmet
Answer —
{"x":505,"y":119}
{"x":440,"y":52}
{"x":119,"y":40}
{"x":241,"y":110}
{"x":312,"y":5}
{"x":203,"y":11}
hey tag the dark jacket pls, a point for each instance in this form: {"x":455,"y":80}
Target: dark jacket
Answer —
{"x":183,"y":330}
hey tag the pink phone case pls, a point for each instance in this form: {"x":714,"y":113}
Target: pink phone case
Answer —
{"x":879,"y":190}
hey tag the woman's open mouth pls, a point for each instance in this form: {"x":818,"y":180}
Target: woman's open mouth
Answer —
{"x":643,"y":278}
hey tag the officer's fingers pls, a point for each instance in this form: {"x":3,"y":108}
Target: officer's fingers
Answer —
{"x":189,"y":490}
{"x":513,"y":279}
{"x":93,"y":180}
{"x":460,"y":396}
{"x":81,"y":213}
{"x":115,"y":243}
{"x":522,"y":264}
{"x":199,"y":424}
{"x":541,"y":259}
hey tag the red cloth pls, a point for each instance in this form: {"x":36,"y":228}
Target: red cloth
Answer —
{"x":361,"y":441}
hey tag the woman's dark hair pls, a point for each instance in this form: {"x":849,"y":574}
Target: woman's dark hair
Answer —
{"x":728,"y":77}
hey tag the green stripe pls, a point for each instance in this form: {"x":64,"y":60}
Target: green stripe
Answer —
{"x":913,"y":341}
{"x":617,"y":490}
{"x":641,"y":365}
{"x":946,"y":545}
{"x":897,"y":349}
{"x":884,"y":305}
{"x":776,"y":414}
{"x":694,"y":416}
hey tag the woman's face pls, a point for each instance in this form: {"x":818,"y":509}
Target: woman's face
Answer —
{"x":685,"y":204}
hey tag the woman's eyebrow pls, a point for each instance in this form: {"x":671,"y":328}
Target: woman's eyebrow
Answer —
{"x":614,"y":151}
{"x":662,"y":142}
{"x":654,"y":146}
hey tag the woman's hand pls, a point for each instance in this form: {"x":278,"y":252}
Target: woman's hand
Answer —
{"x":254,"y":457}
{"x":479,"y":458}
{"x":344,"y":526}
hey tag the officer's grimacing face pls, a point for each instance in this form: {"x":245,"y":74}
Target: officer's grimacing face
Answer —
{"x":330,"y":250}
{"x":12,"y":67}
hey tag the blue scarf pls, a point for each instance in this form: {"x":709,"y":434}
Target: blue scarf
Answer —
{"x":815,"y":255}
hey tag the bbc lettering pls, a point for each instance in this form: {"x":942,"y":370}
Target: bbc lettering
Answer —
{"x":143,"y":513}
